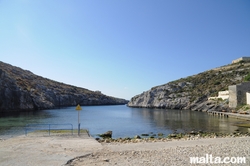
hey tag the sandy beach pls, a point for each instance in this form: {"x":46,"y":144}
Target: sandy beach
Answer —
{"x":81,"y":151}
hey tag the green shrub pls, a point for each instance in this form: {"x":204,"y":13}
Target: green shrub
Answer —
{"x":247,"y":78}
{"x":217,"y":83}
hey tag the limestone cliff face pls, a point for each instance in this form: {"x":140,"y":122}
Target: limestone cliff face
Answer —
{"x":22,"y":90}
{"x":193,"y":92}
{"x":175,"y":96}
{"x":165,"y":96}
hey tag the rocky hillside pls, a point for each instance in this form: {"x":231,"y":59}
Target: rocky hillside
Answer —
{"x":22,"y":90}
{"x":193,"y":92}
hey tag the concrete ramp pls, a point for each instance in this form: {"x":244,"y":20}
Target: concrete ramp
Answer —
{"x":43,"y":151}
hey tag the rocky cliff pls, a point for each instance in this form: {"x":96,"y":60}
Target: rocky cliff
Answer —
{"x":193,"y":92}
{"x":22,"y":90}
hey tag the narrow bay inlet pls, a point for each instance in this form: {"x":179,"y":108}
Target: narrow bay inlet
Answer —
{"x":124,"y":83}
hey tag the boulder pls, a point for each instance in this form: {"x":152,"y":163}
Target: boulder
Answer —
{"x":172,"y":135}
{"x":137,"y":137}
{"x":160,"y":134}
{"x":107,"y":134}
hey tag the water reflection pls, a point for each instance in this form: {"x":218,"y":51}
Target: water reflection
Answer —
{"x":13,"y":123}
{"x":186,"y":121}
{"x":123,"y":121}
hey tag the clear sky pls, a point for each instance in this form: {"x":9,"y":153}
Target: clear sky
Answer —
{"x":122,"y":47}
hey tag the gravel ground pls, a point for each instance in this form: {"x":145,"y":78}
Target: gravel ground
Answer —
{"x":166,"y":153}
{"x":85,"y":151}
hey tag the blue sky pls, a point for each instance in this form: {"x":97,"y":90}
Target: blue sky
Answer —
{"x":122,"y":47}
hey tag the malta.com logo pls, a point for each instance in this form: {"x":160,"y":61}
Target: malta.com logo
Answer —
{"x":209,"y":159}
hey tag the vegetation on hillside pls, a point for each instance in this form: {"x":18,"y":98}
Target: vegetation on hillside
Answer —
{"x":209,"y":83}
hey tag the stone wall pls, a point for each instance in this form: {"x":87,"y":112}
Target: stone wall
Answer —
{"x":237,"y":94}
{"x":248,"y":97}
{"x":223,"y":94}
{"x":241,"y":59}
{"x":232,"y":96}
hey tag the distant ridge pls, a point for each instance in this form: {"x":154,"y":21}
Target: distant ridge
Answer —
{"x":22,"y":90}
{"x":193,"y":92}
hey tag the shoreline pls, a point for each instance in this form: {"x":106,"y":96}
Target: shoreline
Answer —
{"x":193,"y":135}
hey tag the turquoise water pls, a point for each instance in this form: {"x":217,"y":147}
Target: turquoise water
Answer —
{"x":122,"y":120}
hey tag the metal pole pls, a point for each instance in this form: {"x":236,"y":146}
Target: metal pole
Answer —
{"x":26,"y":130}
{"x":79,"y":129}
{"x":78,"y":123}
{"x":78,"y":108}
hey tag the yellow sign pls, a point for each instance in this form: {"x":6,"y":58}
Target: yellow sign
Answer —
{"x":78,"y":107}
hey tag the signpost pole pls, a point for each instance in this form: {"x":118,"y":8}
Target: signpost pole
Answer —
{"x":78,"y":108}
{"x":78,"y":123}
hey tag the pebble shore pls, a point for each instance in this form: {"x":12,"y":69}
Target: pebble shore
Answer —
{"x":167,"y":152}
{"x":170,"y":137}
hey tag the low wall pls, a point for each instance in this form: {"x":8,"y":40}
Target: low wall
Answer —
{"x":231,"y":115}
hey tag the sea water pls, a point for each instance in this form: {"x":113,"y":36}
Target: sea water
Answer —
{"x":123,"y":121}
